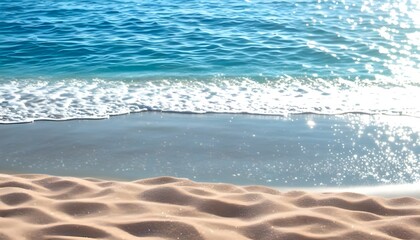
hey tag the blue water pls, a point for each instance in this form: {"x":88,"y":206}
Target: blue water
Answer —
{"x":92,"y":59}
{"x":357,"y":39}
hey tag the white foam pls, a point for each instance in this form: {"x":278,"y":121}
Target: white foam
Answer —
{"x":29,"y":100}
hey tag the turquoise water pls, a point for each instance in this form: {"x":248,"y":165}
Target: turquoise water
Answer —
{"x":92,"y":59}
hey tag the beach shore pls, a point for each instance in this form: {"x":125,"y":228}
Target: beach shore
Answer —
{"x":51,"y":207}
{"x":319,"y":177}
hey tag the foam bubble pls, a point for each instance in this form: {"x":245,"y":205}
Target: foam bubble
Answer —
{"x":29,"y":100}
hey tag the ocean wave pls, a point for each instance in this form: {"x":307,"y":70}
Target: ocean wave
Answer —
{"x":30,"y":100}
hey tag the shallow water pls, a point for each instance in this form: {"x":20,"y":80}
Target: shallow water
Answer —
{"x":299,"y":151}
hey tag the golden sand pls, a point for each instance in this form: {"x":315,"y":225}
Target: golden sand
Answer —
{"x":48,"y":207}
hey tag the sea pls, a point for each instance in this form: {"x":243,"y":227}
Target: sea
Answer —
{"x":278,"y":92}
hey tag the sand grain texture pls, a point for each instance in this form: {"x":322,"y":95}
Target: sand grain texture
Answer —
{"x":47,"y":207}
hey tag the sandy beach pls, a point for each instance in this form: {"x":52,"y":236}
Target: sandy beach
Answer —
{"x":51,"y":207}
{"x":209,"y":120}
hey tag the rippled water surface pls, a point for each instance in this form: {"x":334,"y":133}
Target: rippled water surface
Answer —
{"x":74,"y":59}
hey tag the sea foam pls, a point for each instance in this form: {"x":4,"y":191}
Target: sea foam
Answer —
{"x":30,"y":100}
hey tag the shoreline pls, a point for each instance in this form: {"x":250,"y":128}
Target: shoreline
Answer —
{"x":223,"y":185}
{"x":411,"y":190}
{"x":246,"y":114}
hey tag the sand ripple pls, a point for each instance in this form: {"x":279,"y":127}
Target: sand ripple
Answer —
{"x":46,"y":207}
